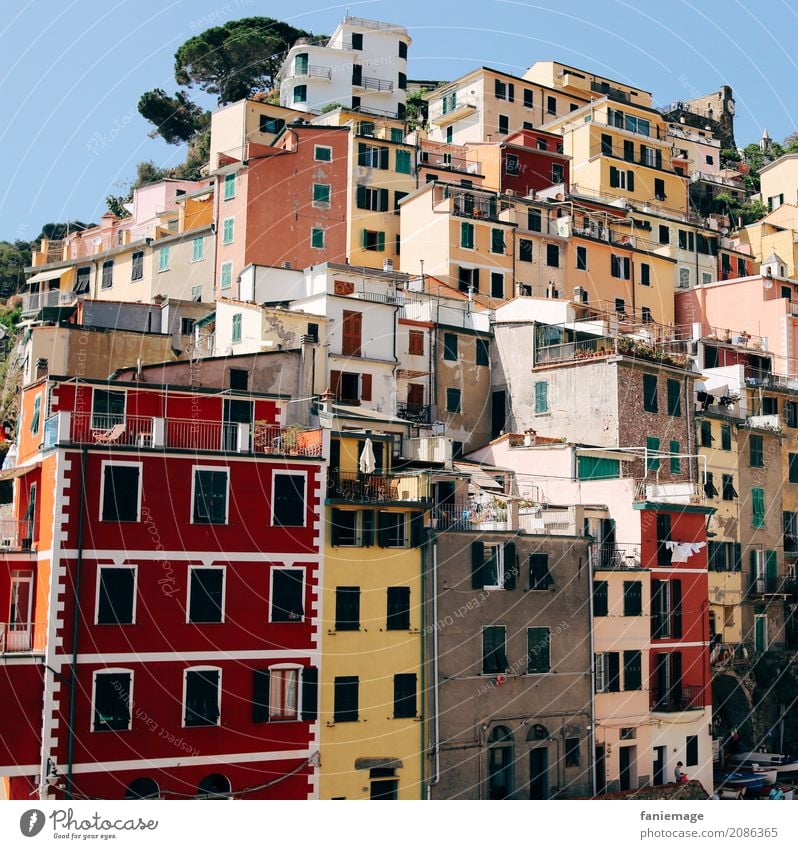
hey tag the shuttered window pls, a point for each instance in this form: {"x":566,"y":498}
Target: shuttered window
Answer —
{"x":398,"y":618}
{"x":632,"y":670}
{"x":541,"y":396}
{"x":758,"y":506}
{"x":288,"y":595}
{"x":600,"y":598}
{"x":345,"y":698}
{"x":112,"y":701}
{"x":674,"y":398}
{"x":210,"y":497}
{"x":120,"y":494}
{"x":632,"y":598}
{"x":539,"y":575}
{"x":206,"y":591}
{"x":756,"y":454}
{"x":652,"y":445}
{"x":538,"y":650}
{"x":202,"y":697}
{"x":116,"y":592}
{"x":352,"y":333}
{"x":289,"y":501}
{"x":598,"y":468}
{"x":675,"y":461}
{"x":347,"y":608}
{"x":404,"y":696}
{"x":650,"y":393}
{"x":494,"y":658}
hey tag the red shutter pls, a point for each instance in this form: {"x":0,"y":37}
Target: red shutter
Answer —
{"x":352,"y":333}
{"x":335,"y":383}
{"x":365,"y":390}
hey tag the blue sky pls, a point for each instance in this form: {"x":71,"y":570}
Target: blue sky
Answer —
{"x":73,"y":70}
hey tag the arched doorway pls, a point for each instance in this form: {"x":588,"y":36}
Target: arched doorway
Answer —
{"x":143,"y":788}
{"x":500,"y":763}
{"x":214,"y":786}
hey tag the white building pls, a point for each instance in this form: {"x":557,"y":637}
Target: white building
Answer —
{"x":363,"y":65}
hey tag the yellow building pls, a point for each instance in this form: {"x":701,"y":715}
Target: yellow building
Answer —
{"x":774,"y":234}
{"x":621,"y":149}
{"x":584,"y":84}
{"x":372,"y":685}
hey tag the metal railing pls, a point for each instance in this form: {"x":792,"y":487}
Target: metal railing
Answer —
{"x":609,"y":555}
{"x":430,"y":449}
{"x":461,"y":104}
{"x":376,"y":487}
{"x":416,"y":413}
{"x":674,"y":699}
{"x":648,"y":159}
{"x":470,"y":516}
{"x":318,"y":71}
{"x":763,"y":585}
{"x":16,"y":535}
{"x":372,"y":83}
{"x":36,"y":301}
{"x":437,"y":159}
{"x":769,"y":380}
{"x":21,"y":637}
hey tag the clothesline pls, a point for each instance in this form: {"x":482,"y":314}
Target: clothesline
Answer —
{"x":680,"y":551}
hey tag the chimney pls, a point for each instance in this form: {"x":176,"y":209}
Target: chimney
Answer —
{"x":530,"y":437}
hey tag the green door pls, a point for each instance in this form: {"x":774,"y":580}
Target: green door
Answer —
{"x":760,"y":633}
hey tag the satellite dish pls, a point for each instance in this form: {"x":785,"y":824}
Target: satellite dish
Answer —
{"x":768,"y":284}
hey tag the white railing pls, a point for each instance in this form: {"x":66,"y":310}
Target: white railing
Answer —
{"x":431,"y":449}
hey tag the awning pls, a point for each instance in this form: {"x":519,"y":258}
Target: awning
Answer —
{"x":60,"y":274}
{"x":18,"y":471}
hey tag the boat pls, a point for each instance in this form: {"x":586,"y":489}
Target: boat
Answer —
{"x":739,"y":778}
{"x":783,"y":764}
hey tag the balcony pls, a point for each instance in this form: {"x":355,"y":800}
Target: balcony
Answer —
{"x":470,"y":205}
{"x":761,"y":586}
{"x":464,"y":106}
{"x":15,"y":535}
{"x":676,"y":699}
{"x":471,"y":516}
{"x":372,"y":84}
{"x":417,"y":413}
{"x":447,"y":161}
{"x":36,"y":301}
{"x":321,"y":72}
{"x":66,"y":428}
{"x":22,"y":637}
{"x":376,"y":488}
{"x":649,"y":158}
{"x":669,"y":492}
{"x":431,"y":449}
{"x":768,"y":380}
{"x":615,"y":556}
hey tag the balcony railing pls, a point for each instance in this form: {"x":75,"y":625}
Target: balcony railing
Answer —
{"x":431,"y":449}
{"x":22,"y":637}
{"x":375,"y":488}
{"x":615,"y":556}
{"x":15,"y":535}
{"x":768,"y":380}
{"x":470,"y":516}
{"x":768,"y":586}
{"x":373,"y":84}
{"x":439,"y":159}
{"x":187,"y":434}
{"x":416,"y":413}
{"x":462,"y":106}
{"x":317,"y":71}
{"x":677,"y":699}
{"x":36,"y":301}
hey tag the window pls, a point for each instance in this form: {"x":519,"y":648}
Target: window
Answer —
{"x":202,"y":697}
{"x":84,"y":275}
{"x":553,"y":256}
{"x":352,"y":333}
{"x":227,"y":275}
{"x":398,"y":609}
{"x":504,"y":125}
{"x":316,"y":237}
{"x":373,"y":199}
{"x":210,"y":496}
{"x":600,"y":598}
{"x":275,"y":696}
{"x":493,"y":566}
{"x":645,"y":315}
{"x":551,"y":105}
{"x":541,"y":397}
{"x":205,"y":595}
{"x":534,"y":221}
{"x":645,"y":274}
{"x":121,"y":493}
{"x":557,"y":174}
{"x":288,"y":500}
{"x":608,"y":672}
{"x":501,"y":763}
{"x":116,"y":595}
{"x":496,"y":241}
{"x":415,"y":343}
{"x":497,"y":285}
{"x":529,"y":98}
{"x":597,"y":468}
{"x":620,"y":267}
{"x":402,"y":50}
{"x":691,"y":743}
{"x":511,"y":165}
{"x":344,"y":529}
{"x":504,"y":91}
{"x":482,"y":352}
{"x":525,"y":250}
{"x":684,"y":278}
{"x":108,"y":274}
{"x":539,"y":575}
{"x":632,"y":598}
{"x":230,"y":184}
{"x":725,"y":437}
{"x":236,"y":332}
{"x":391,"y":529}
{"x":538,"y":650}
{"x":793,"y":467}
{"x":403,"y":162}
{"x":198,"y":249}
{"x":674,"y":398}
{"x":581,"y":258}
{"x":321,"y":195}
{"x":345,"y":698}
{"x":758,"y":507}
{"x":620,"y":179}
{"x":373,"y":240}
{"x":452,"y":400}
{"x":404,"y":696}
{"x":239,"y":379}
{"x":371,"y":156}
{"x":675,"y":459}
{"x":709,"y":485}
{"x":287,"y":595}
{"x":632,"y":670}
{"x":572,"y":751}
{"x":652,"y":452}
{"x":322,"y":153}
{"x":357,"y":41}
{"x":347,"y":608}
{"x":450,"y":346}
{"x":650,"y":393}
{"x":620,"y":306}
{"x":756,"y":455}
{"x":270,"y":125}
{"x":397,"y":199}
{"x":706,"y":434}
{"x":300,"y":94}
{"x":466,"y":234}
{"x":163,"y":259}
{"x":112,"y":699}
{"x":729,"y":492}
{"x":494,"y":658}
{"x":137,"y":266}
{"x":664,"y":234}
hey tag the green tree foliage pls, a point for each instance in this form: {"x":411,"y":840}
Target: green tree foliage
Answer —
{"x":236,"y":59}
{"x":58,"y":230}
{"x":176,"y":118}
{"x":417,"y":110}
{"x":13,"y":259}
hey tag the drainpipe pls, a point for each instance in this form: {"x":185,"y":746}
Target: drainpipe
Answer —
{"x":75,"y":625}
{"x":436,"y":715}
{"x":592,"y":726}
{"x":422,"y":557}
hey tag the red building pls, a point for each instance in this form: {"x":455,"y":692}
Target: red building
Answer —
{"x":532,"y":160}
{"x":161,"y":581}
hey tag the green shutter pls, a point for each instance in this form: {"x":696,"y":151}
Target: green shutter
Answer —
{"x":383,"y":200}
{"x":362,"y":154}
{"x":477,"y":563}
{"x":383,"y":158}
{"x":260,"y":695}
{"x":381,"y":241}
{"x":650,"y":393}
{"x":416,"y":529}
{"x":758,"y":506}
{"x":676,"y":463}
{"x":310,"y":693}
{"x":598,"y":468}
{"x":361,"y":198}
{"x":541,"y":396}
{"x":772,"y":568}
{"x":510,"y":566}
{"x":674,"y":398}
{"x":652,"y":444}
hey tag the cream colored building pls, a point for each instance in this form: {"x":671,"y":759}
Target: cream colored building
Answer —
{"x":779,"y":181}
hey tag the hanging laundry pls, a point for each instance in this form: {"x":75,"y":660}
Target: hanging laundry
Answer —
{"x":681,"y":551}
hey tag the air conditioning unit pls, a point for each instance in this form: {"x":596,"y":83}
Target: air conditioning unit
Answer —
{"x":285,"y":264}
{"x":387,"y":265}
{"x":579,"y":295}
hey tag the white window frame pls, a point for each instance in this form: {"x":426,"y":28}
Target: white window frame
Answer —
{"x":602,"y":683}
{"x":405,"y":529}
{"x":292,"y":473}
{"x":321,"y":204}
{"x":196,"y":290}
{"x":227,"y":182}
{"x":684,"y":277}
{"x":282,"y":667}
{"x":100,"y":568}
{"x":183,"y":704}
{"x":358,"y":529}
{"x":499,"y":565}
{"x":139,"y":466}
{"x":231,"y":220}
{"x":201,"y":257}
{"x":317,"y":148}
{"x":224,"y":265}
{"x":163,"y":252}
{"x":278,"y":567}
{"x":196,"y":567}
{"x":194,"y":470}
{"x":323,"y":238}
{"x":115,"y":670}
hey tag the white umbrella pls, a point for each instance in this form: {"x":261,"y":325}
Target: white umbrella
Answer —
{"x":368,"y":462}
